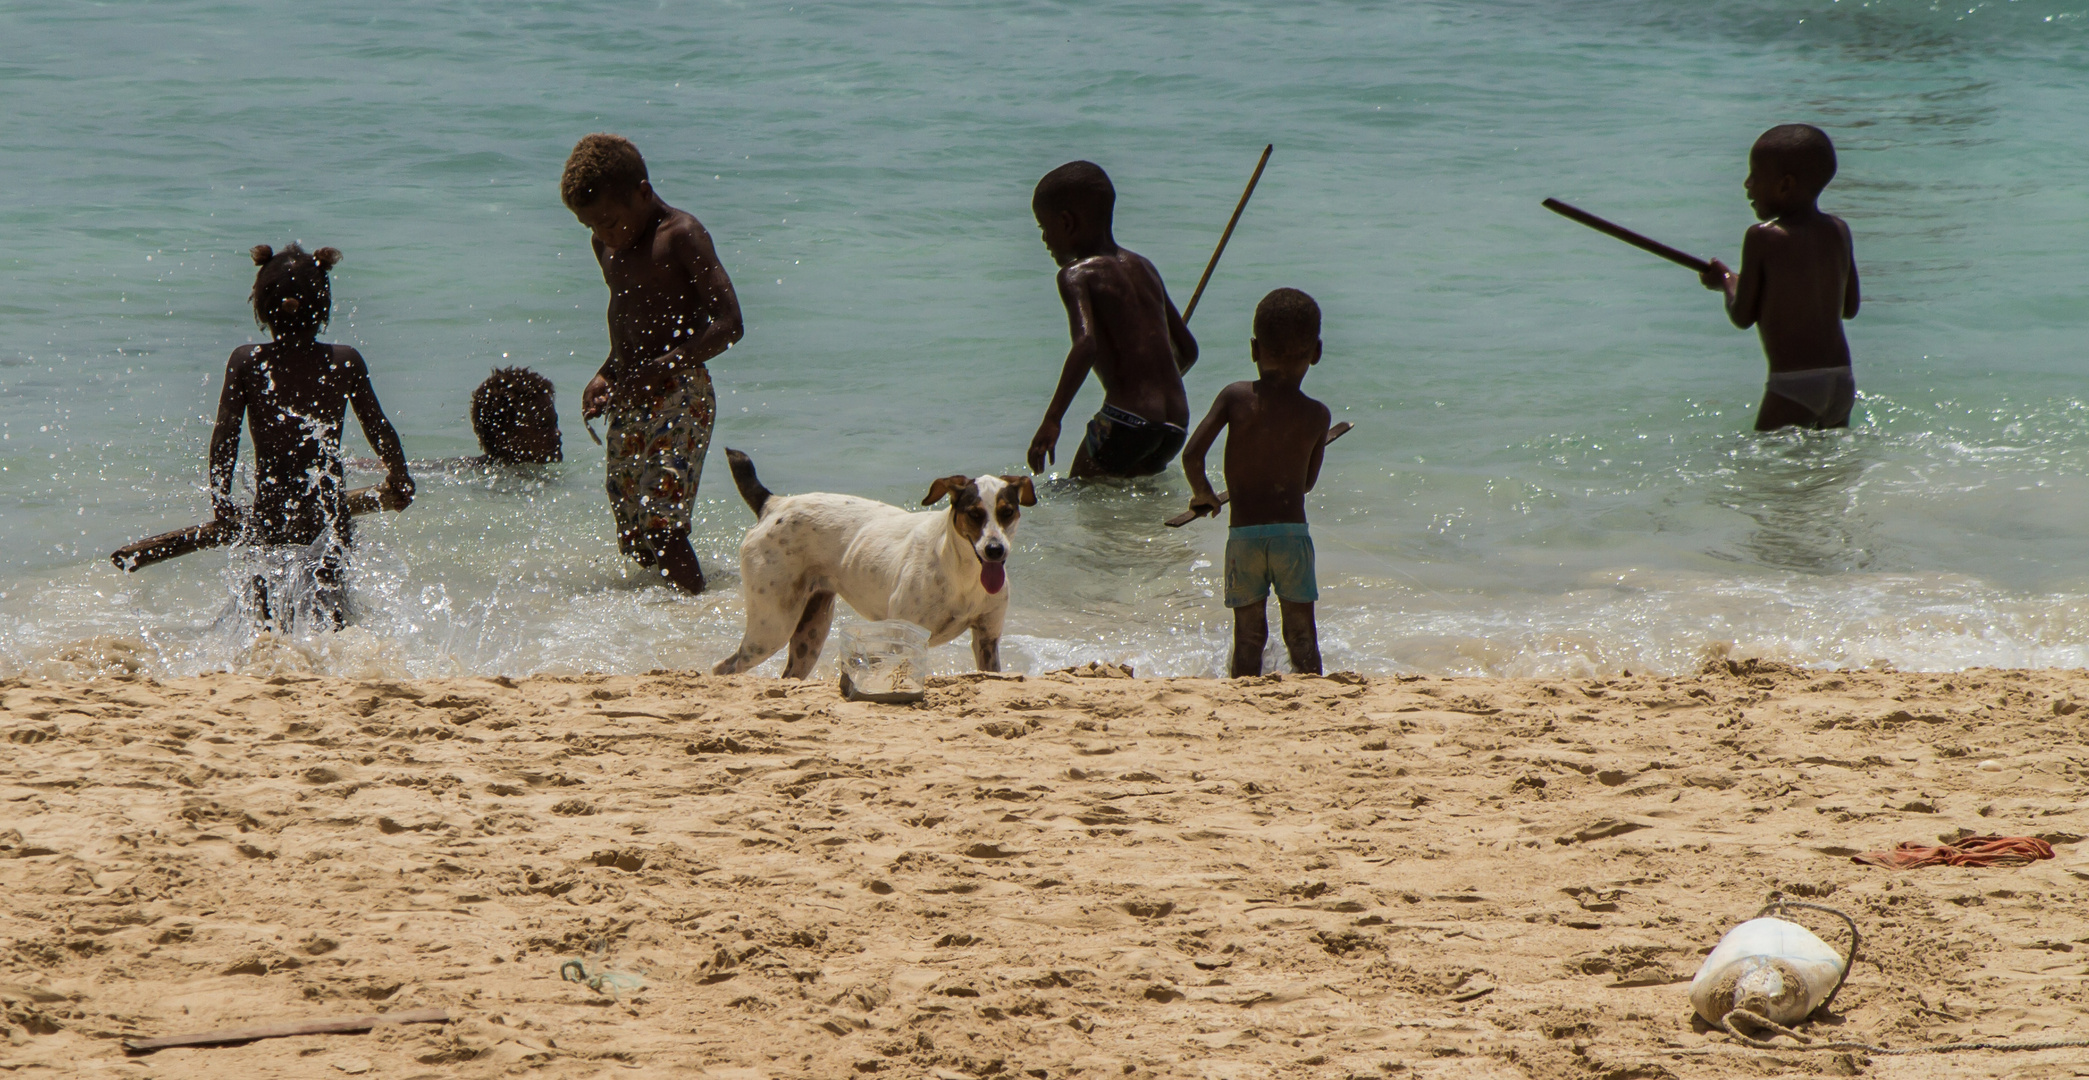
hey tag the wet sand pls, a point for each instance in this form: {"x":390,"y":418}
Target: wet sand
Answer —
{"x":1048,"y":876}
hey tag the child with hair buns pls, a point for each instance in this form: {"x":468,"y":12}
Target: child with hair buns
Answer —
{"x":295,"y":391}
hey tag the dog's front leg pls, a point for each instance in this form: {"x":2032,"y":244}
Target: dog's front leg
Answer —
{"x":986,"y":640}
{"x":811,"y":636}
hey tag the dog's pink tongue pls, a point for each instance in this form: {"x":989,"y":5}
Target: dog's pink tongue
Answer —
{"x":993,"y":575}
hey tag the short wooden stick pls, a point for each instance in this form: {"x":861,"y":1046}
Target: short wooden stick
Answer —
{"x":1187,"y":516}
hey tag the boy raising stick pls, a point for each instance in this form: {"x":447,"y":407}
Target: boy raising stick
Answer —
{"x":1123,"y":326}
{"x":1798,"y":281}
{"x":671,"y":308}
{"x":1272,"y":460}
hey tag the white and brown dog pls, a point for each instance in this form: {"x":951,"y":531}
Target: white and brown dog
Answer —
{"x":946,"y":572}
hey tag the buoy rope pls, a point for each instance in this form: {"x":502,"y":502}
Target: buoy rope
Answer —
{"x":1779,"y":902}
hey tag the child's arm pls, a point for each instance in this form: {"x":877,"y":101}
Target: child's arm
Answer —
{"x":1179,"y":336}
{"x":1744,"y":291}
{"x":398,"y":483}
{"x":224,"y":438}
{"x":1202,"y":499}
{"x":1850,"y":297}
{"x":1080,"y":318}
{"x":692,"y":249}
{"x":1319,"y":450}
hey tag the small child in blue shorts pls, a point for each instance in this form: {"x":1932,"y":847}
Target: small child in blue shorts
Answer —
{"x":1272,"y":460}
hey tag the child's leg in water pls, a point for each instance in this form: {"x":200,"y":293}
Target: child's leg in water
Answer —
{"x":328,"y":588}
{"x":1250,"y":636}
{"x":1301,"y":636}
{"x":678,"y":563}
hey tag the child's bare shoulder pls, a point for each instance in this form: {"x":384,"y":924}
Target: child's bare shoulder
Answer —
{"x":682,"y":225}
{"x":1316,"y":408}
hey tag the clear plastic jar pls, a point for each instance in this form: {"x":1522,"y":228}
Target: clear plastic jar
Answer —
{"x":885,"y":662}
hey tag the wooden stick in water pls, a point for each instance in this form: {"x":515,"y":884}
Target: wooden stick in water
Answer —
{"x":1187,"y":516}
{"x":170,"y":545}
{"x":347,"y":1025}
{"x":1575,"y":213}
{"x":1228,"y":234}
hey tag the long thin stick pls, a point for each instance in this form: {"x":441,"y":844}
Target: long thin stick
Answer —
{"x":1187,"y":516}
{"x":346,"y":1025}
{"x":1228,"y":234}
{"x":1657,"y":247}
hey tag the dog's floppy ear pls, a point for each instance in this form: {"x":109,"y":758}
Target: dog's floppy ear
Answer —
{"x":1026,"y":492}
{"x":944,"y":485}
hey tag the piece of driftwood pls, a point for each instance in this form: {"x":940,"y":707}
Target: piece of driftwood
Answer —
{"x":169,"y":545}
{"x":346,"y":1025}
{"x":1187,"y":516}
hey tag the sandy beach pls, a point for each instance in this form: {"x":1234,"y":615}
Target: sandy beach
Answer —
{"x":1051,"y":876}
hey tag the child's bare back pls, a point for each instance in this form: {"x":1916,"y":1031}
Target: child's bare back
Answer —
{"x":1798,"y":281}
{"x":1117,"y":300}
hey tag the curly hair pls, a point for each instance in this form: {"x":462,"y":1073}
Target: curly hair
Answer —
{"x":1286,"y":320}
{"x":601,"y":164}
{"x":509,"y":395}
{"x":292,"y":296}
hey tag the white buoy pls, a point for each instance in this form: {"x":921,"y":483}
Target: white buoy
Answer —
{"x":1773,"y":968}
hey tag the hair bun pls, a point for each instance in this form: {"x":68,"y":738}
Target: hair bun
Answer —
{"x":327,"y":257}
{"x":262,"y":253}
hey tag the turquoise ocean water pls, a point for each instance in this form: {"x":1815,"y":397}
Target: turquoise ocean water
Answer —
{"x":1551,"y":471}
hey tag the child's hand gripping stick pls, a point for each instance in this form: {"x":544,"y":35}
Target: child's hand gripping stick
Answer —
{"x":1187,"y":516}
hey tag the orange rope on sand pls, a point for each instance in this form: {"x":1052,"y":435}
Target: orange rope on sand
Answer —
{"x":1965,"y":851}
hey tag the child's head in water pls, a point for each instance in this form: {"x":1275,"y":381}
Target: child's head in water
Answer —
{"x":606,"y":186}
{"x":1788,"y":168}
{"x":513,"y":415}
{"x":1074,"y":204}
{"x":1287,"y":334}
{"x":292,"y":298}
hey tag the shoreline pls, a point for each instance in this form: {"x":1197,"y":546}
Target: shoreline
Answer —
{"x":1024,"y":875}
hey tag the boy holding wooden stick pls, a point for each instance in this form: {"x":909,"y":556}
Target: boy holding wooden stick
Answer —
{"x":1124,"y":328}
{"x":1273,"y":455}
{"x":1798,"y":281}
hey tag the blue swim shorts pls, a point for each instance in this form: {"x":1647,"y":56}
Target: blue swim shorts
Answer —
{"x":1264,"y":557}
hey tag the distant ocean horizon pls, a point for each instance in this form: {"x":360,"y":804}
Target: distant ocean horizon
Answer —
{"x":1551,"y":474}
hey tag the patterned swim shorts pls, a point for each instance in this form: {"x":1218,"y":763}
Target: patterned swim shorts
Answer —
{"x":656,"y":456}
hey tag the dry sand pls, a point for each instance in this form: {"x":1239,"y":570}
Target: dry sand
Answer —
{"x":1046,"y":876}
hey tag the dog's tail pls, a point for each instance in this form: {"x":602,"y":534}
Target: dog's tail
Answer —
{"x":749,"y":484}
